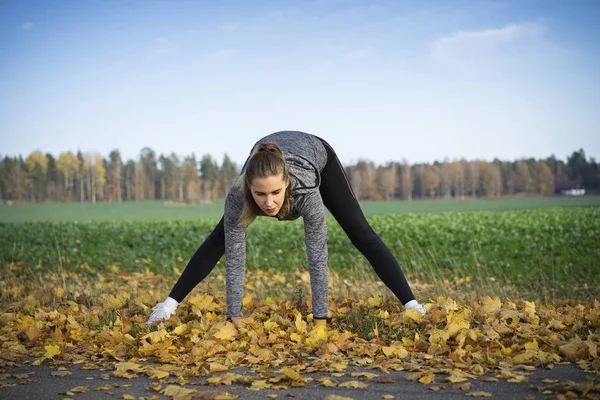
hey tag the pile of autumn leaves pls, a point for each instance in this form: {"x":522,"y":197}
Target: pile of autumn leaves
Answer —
{"x":68,"y":318}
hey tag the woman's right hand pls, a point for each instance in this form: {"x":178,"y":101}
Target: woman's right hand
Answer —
{"x":163,"y":311}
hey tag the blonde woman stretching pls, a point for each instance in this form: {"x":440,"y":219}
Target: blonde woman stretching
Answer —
{"x":288,"y":175}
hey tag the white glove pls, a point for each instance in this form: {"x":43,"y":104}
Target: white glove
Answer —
{"x":163,"y":311}
{"x":415,"y":304}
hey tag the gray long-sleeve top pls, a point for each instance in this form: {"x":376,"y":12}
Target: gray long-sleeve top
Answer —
{"x":306,"y":157}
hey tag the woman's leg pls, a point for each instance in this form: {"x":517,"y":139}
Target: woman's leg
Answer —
{"x":341,"y":201}
{"x":202,"y":262}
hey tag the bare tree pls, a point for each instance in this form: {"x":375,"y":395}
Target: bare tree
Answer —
{"x":407,"y":181}
{"x":385,"y":181}
{"x":458,"y":179}
{"x":472,"y":177}
{"x":446,"y":179}
{"x":431,"y":180}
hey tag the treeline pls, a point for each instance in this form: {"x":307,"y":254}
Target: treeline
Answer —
{"x":91,"y":178}
{"x":462,"y":178}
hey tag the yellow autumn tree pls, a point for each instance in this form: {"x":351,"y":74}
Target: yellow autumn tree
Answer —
{"x":68,"y":165}
{"x":431,"y":180}
{"x":37,"y":167}
{"x":546,"y":179}
{"x":491,"y":180}
{"x":524,"y":177}
{"x":385,"y":181}
{"x":192,"y":183}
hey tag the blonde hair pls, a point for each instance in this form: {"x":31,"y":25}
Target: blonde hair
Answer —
{"x":266,"y":160}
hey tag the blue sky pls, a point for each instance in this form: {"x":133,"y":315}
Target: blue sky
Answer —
{"x":379,"y":80}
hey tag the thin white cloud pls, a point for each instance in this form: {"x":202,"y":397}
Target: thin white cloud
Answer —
{"x":27,"y":26}
{"x":467,"y":47}
{"x":488,"y":37}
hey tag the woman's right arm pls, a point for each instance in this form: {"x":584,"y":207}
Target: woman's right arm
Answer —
{"x":235,"y":253}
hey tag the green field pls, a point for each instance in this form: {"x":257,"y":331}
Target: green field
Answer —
{"x":156,"y":210}
{"x":536,"y":252}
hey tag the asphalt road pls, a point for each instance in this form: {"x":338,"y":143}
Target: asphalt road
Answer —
{"x":40,"y":384}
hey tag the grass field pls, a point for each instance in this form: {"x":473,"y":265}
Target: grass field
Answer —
{"x":536,"y":248}
{"x":546,"y":252}
{"x":156,"y":210}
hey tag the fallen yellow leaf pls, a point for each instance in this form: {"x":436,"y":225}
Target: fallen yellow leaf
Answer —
{"x":52,"y":351}
{"x":353,"y":385}
{"x":226,"y":332}
{"x":300,"y":324}
{"x":327,"y":382}
{"x":177,"y":391}
{"x":427,"y":378}
{"x":414,"y":315}
{"x":216,"y":367}
{"x":479,"y":394}
{"x":260,"y":384}
{"x":374,"y":301}
{"x":157,"y":374}
{"x":396,"y":350}
{"x":290,"y":373}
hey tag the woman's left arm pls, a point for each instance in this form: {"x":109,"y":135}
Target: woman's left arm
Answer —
{"x":315,"y":232}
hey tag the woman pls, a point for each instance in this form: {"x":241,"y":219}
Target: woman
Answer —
{"x":288,"y":175}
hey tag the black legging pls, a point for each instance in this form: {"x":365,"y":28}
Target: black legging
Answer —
{"x":341,"y":202}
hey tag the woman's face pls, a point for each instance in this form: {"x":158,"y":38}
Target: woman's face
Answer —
{"x":269,"y":193}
